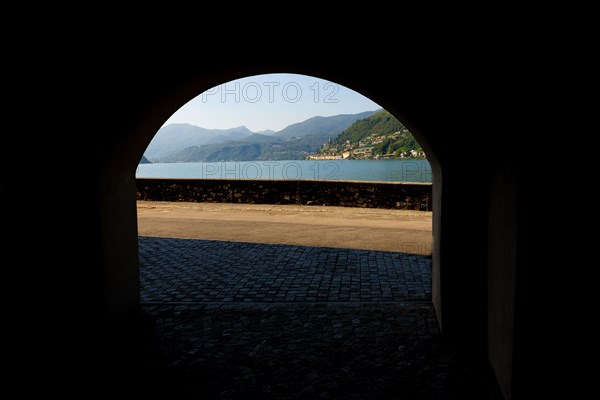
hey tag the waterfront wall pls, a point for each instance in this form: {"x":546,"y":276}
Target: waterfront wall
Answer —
{"x":404,"y":196}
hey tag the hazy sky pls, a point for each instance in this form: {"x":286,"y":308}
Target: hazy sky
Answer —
{"x":271,"y":101}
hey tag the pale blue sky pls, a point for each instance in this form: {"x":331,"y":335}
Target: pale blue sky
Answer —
{"x":271,"y":101}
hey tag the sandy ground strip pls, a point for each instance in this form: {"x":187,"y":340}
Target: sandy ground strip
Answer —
{"x":345,"y":227}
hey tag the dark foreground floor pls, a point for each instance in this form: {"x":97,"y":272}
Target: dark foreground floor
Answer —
{"x":254,"y":321}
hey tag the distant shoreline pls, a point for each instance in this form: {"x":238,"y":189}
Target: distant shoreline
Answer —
{"x":389,"y":170}
{"x":303,"y":159}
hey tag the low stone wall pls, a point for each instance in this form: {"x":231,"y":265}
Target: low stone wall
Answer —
{"x":405,"y":196}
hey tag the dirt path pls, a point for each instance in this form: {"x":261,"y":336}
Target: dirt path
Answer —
{"x":359,"y":228}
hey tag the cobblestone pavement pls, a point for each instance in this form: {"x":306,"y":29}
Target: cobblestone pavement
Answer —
{"x":185,"y":270}
{"x":253,"y":321}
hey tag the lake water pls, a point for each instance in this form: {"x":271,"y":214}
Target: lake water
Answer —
{"x":342,"y":170}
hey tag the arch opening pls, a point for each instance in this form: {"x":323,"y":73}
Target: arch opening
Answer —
{"x":373,"y":135}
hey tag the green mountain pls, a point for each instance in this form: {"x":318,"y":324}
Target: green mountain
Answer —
{"x":379,"y":135}
{"x":238,"y":151}
{"x":176,"y":137}
{"x":321,"y":126}
{"x":295,"y":142}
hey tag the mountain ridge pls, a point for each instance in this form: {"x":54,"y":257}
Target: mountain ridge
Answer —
{"x":295,"y":141}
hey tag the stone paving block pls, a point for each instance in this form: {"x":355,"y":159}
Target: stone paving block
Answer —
{"x":346,"y":350}
{"x":215,"y":270}
{"x":273,"y":321}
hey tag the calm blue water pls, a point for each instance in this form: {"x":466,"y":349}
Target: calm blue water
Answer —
{"x":343,"y":170}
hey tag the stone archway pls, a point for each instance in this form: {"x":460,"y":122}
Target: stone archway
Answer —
{"x":426,"y":106}
{"x":126,"y":100}
{"x":180,"y":96}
